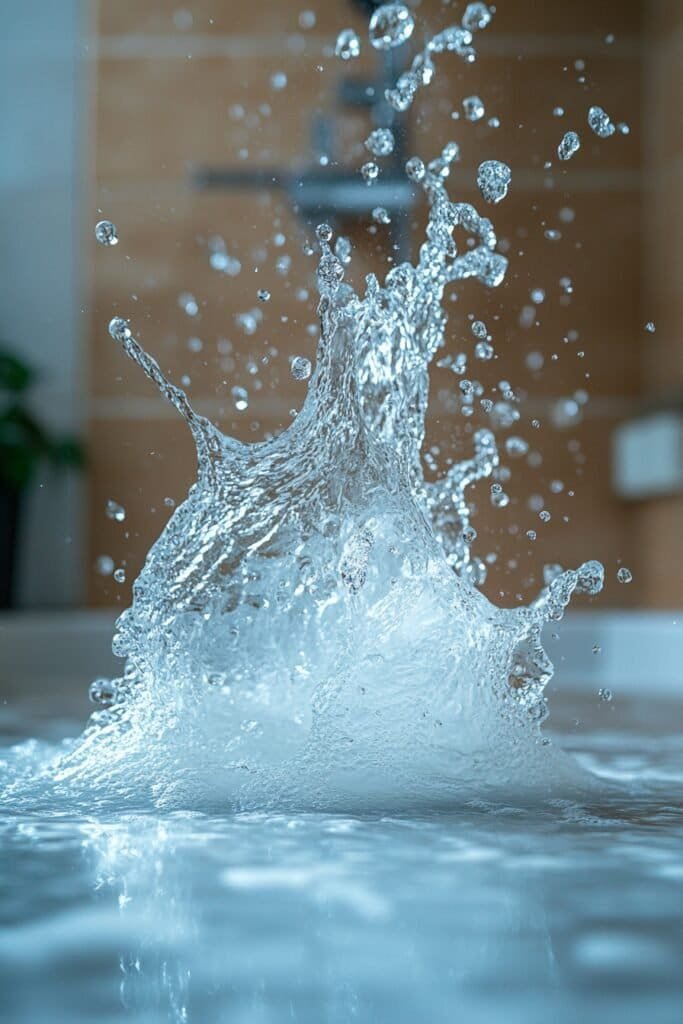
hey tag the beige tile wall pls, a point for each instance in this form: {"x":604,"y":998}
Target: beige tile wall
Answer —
{"x":659,"y":522}
{"x":162,"y":105}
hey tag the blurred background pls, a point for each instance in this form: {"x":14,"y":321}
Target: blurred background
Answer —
{"x":214,"y":135}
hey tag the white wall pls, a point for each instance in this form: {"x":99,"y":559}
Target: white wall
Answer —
{"x":42,"y":203}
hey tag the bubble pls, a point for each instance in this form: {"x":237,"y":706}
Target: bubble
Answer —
{"x":104,"y":565}
{"x":115,"y":511}
{"x":119,"y":329}
{"x":570,"y":144}
{"x":624,"y":575}
{"x":120,"y":575}
{"x":600,"y":122}
{"x":106,"y":233}
{"x":493,"y":179}
{"x":390,"y":26}
{"x":347,"y":46}
{"x":300,"y":368}
{"x":381,"y":142}
{"x":474,"y":108}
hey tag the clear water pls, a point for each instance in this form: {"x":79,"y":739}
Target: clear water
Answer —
{"x":323,"y":787}
{"x":562,"y":910}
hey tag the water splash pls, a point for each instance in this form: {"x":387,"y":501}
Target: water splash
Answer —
{"x":308,"y":630}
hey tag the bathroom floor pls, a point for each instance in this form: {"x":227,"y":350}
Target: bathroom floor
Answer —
{"x":486,"y":913}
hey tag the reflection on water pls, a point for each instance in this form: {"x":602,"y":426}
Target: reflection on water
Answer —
{"x":561,"y":911}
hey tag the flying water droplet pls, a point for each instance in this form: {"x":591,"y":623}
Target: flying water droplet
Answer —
{"x":650,"y":327}
{"x":370,"y":172}
{"x":570,"y":144}
{"x":474,"y":108}
{"x":624,"y":575}
{"x":347,"y":46}
{"x":300,"y":368}
{"x":600,"y":122}
{"x":115,"y":511}
{"x":119,"y":329}
{"x":104,"y":565}
{"x":263,"y":295}
{"x":390,"y":26}
{"x":476,"y":17}
{"x":106,"y":233}
{"x":493,"y":179}
{"x":381,"y":142}
{"x":120,"y":575}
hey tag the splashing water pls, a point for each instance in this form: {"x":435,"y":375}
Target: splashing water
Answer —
{"x":307,"y":630}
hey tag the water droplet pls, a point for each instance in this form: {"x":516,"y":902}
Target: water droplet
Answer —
{"x":537,"y":296}
{"x":348,"y":44}
{"x":484,"y":350}
{"x":600,"y":122}
{"x":516,"y":447}
{"x":558,"y":112}
{"x":343,"y":249}
{"x":119,"y":329}
{"x":531,"y":534}
{"x":104,"y":565}
{"x":603,"y":693}
{"x":307,"y":19}
{"x":102,"y":692}
{"x":278,"y":81}
{"x":474,"y":108}
{"x":570,"y":144}
{"x":370,"y":172}
{"x":380,"y":215}
{"x":188,"y":303}
{"x":115,"y":511}
{"x":120,"y":575}
{"x":624,"y":575}
{"x":650,"y":327}
{"x":106,"y":233}
{"x":493,"y":179}
{"x":390,"y":26}
{"x":415,"y":169}
{"x":381,"y":142}
{"x":240,"y":397}
{"x":544,"y":516}
{"x":300,"y":368}
{"x":323,"y":232}
{"x":263,"y":295}
{"x":476,"y":17}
